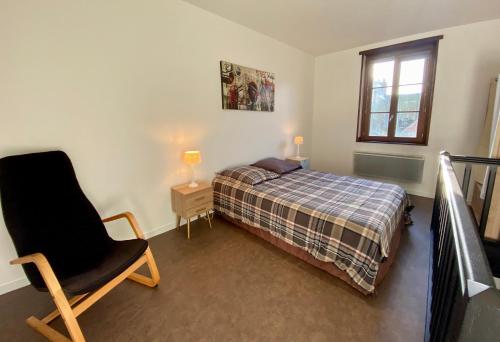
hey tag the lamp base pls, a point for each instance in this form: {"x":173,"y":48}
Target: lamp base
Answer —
{"x":193,"y":184}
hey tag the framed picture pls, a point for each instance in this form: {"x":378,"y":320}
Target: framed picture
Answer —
{"x":246,"y":88}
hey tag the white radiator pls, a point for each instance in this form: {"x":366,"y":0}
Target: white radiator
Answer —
{"x":393,"y":166}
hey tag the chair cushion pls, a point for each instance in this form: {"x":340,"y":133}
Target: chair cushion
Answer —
{"x":120,"y":256}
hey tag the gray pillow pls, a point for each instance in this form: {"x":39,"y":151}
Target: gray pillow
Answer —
{"x":277,"y":165}
{"x":249,"y":174}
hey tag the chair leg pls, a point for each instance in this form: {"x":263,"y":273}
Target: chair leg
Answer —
{"x":69,"y":318}
{"x":153,"y":270}
{"x":54,"y":314}
{"x":61,"y":302}
{"x":63,"y":305}
{"x":43,"y":329}
{"x":71,"y":314}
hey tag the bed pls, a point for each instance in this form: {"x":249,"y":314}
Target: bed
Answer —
{"x":347,"y":226}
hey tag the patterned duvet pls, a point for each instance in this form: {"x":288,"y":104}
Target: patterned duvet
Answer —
{"x":345,"y":220}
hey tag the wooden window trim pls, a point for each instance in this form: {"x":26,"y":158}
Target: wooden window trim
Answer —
{"x":399,"y":52}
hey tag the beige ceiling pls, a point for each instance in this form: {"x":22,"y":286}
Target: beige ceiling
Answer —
{"x":323,"y":26}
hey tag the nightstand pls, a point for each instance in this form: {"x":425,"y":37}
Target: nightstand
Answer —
{"x":303,"y":161}
{"x":188,"y":202}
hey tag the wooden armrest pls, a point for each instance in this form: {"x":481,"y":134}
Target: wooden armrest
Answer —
{"x":36,"y":258}
{"x":44,"y":268}
{"x":131,"y":220}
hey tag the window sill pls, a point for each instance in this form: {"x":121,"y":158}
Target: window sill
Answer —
{"x":368,"y":140}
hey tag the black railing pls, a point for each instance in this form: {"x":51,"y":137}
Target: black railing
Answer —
{"x":463,"y":303}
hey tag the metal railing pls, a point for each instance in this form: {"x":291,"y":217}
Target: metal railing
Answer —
{"x":463,"y":303}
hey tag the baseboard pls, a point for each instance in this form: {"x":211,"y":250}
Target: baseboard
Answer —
{"x":159,"y":230}
{"x":13,"y":285}
{"x":21,"y":282}
{"x":163,"y":229}
{"x":421,"y":193}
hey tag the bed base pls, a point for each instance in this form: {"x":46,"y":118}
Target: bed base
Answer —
{"x":325,"y":266}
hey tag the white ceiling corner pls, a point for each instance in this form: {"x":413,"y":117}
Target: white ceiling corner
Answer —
{"x":323,"y":26}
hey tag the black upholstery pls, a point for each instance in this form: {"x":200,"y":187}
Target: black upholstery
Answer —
{"x":121,"y":255}
{"x":46,"y":212}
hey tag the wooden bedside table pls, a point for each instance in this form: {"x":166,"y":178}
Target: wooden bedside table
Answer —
{"x":303,"y":161}
{"x":188,"y":202}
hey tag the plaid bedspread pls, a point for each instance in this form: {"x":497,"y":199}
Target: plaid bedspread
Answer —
{"x":345,"y":220}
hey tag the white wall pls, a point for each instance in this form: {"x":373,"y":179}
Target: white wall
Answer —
{"x":469,"y":56}
{"x":125,"y":86}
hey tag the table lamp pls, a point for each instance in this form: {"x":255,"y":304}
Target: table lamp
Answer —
{"x":298,"y":140}
{"x":192,"y":158}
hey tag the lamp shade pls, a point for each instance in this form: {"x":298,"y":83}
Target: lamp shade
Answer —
{"x":298,"y":140}
{"x":192,"y":157}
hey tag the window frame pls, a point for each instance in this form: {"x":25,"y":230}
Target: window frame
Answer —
{"x":427,"y":47}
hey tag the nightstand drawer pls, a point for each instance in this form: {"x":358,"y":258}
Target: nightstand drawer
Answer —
{"x":200,"y":209}
{"x":198,"y":198}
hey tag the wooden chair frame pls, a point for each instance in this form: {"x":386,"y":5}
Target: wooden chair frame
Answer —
{"x":69,"y":309}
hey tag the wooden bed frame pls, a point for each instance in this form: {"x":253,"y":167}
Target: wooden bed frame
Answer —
{"x":329,"y":267}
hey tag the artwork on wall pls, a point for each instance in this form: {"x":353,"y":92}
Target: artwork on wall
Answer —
{"x":246,"y":88}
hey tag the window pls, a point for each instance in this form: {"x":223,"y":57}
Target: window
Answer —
{"x":396,"y":89}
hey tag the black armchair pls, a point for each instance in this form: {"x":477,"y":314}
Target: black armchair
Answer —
{"x":63,"y":245}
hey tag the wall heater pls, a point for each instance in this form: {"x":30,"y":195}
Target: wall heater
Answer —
{"x":393,"y":166}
